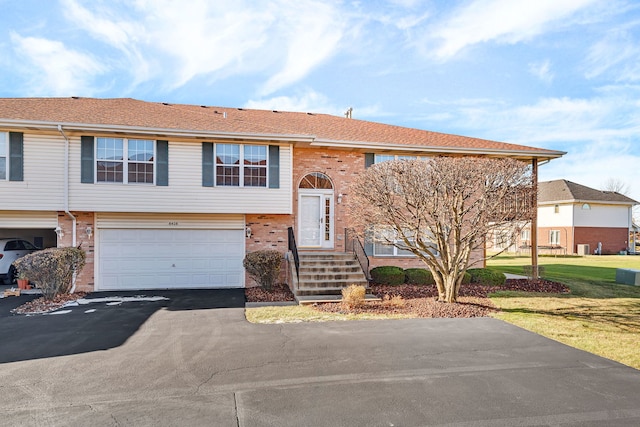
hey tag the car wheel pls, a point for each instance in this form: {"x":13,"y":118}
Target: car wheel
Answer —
{"x":11,"y":276}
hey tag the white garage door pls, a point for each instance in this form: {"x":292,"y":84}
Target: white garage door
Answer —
{"x":164,"y":259}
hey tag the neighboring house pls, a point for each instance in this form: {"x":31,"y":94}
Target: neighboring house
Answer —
{"x":575,"y":219}
{"x":168,"y":195}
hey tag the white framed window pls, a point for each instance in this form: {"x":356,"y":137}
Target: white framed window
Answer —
{"x":388,"y":249}
{"x":554,"y":237}
{"x":238,"y":165}
{"x":4,"y":157}
{"x":127,"y":161}
{"x":525,"y":235}
{"x":379,"y":158}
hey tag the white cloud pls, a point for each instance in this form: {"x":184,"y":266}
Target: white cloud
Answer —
{"x":313,"y":102}
{"x":119,"y":33}
{"x":503,"y":21}
{"x":542,"y":70}
{"x":310,"y":101}
{"x":313,"y":31}
{"x":619,"y":52}
{"x":55,"y":70}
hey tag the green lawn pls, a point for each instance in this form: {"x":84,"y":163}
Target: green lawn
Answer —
{"x":599,"y":316}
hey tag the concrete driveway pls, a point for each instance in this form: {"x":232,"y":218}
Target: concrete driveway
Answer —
{"x":210,"y":367}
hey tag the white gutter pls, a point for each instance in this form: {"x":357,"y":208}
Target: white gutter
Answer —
{"x":180,"y":133}
{"x":66,"y":197}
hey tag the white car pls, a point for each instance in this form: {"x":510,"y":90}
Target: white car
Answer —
{"x":11,"y":250}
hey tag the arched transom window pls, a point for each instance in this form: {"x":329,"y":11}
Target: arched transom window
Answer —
{"x":317,"y":181}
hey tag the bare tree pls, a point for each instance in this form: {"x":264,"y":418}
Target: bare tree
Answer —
{"x":442,"y":209}
{"x":617,"y":185}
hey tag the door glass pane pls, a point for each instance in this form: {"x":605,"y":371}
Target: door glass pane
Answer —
{"x":327,"y":219}
{"x":310,"y":221}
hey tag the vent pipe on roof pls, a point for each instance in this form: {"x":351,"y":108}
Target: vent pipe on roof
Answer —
{"x":349,"y":113}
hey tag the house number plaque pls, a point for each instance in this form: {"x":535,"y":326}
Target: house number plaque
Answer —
{"x":173,"y":222}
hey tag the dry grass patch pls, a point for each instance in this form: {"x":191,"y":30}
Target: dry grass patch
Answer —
{"x":300,"y":313}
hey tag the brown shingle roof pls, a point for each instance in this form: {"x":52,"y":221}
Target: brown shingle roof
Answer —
{"x":562,"y":190}
{"x":323,"y":128}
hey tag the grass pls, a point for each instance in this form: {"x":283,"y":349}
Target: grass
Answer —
{"x":599,"y":316}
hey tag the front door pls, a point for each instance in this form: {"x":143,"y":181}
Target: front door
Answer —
{"x":315,"y":213}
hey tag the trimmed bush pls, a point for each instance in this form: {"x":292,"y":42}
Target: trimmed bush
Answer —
{"x":263,"y":267}
{"x":387,"y":275}
{"x":353,"y":296}
{"x":418,"y":276}
{"x":467,"y":278}
{"x":486,"y":277}
{"x":51,"y":270}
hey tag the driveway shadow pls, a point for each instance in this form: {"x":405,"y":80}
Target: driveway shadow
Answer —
{"x":98,"y":325}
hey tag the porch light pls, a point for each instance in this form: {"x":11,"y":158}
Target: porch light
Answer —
{"x":59,"y":232}
{"x":89,"y":231}
{"x":248,"y":232}
{"x":339,"y":198}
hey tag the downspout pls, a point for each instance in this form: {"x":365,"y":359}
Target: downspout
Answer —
{"x":66,"y":197}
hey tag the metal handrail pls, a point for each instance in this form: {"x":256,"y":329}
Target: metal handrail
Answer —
{"x":294,"y":250}
{"x":353,"y":244}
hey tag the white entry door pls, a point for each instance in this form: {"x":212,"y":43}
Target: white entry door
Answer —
{"x":315,"y":224}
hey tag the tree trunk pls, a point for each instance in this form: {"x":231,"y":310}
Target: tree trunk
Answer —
{"x":451,"y":290}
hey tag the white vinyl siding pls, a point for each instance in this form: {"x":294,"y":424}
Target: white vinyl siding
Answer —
{"x":28,"y":219}
{"x":602,"y":216}
{"x":185,"y":192}
{"x":43,"y":186}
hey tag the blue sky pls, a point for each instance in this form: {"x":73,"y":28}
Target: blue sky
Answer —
{"x":558,"y":74}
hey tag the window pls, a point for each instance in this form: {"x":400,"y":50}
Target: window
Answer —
{"x":3,"y":154}
{"x":137,"y":167}
{"x":586,"y":207}
{"x":554,"y":237}
{"x":241,"y":165}
{"x":379,"y":158}
{"x":556,"y":209}
{"x":525,"y":235}
{"x":383,"y":249}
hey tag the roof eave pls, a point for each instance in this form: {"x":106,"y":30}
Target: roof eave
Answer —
{"x":206,"y":134}
{"x":546,"y":154}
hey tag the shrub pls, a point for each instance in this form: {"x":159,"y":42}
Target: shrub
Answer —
{"x":467,"y":278}
{"x":483,"y":276}
{"x":263,"y":267}
{"x":51,"y":270}
{"x":418,"y":276}
{"x":387,"y":275}
{"x":395,"y":301}
{"x":353,"y":296}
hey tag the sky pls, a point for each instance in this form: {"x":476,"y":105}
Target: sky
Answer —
{"x":556,"y":74}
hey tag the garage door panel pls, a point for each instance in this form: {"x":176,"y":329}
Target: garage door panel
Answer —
{"x":162,"y":258}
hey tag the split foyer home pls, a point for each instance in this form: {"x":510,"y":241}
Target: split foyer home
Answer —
{"x":584,"y":220}
{"x":167,"y":196}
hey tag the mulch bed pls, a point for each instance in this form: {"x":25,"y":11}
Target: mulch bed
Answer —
{"x":279,"y":292}
{"x":41,"y":305}
{"x":420,"y":301}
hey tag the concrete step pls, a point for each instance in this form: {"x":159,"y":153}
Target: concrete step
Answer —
{"x":327,"y":290}
{"x":329,"y":277}
{"x":328,"y":269}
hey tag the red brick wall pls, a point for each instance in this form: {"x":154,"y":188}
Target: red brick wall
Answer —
{"x":341,"y":167}
{"x":84,"y":280}
{"x":613,"y":240}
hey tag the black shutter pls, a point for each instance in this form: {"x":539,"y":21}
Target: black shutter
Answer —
{"x":16,"y":156}
{"x":87,"y":159}
{"x":274,"y":166}
{"x":207,"y":164}
{"x":162,"y":163}
{"x":369,"y":159}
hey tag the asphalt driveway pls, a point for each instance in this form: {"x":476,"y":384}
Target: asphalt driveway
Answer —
{"x":210,"y":367}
